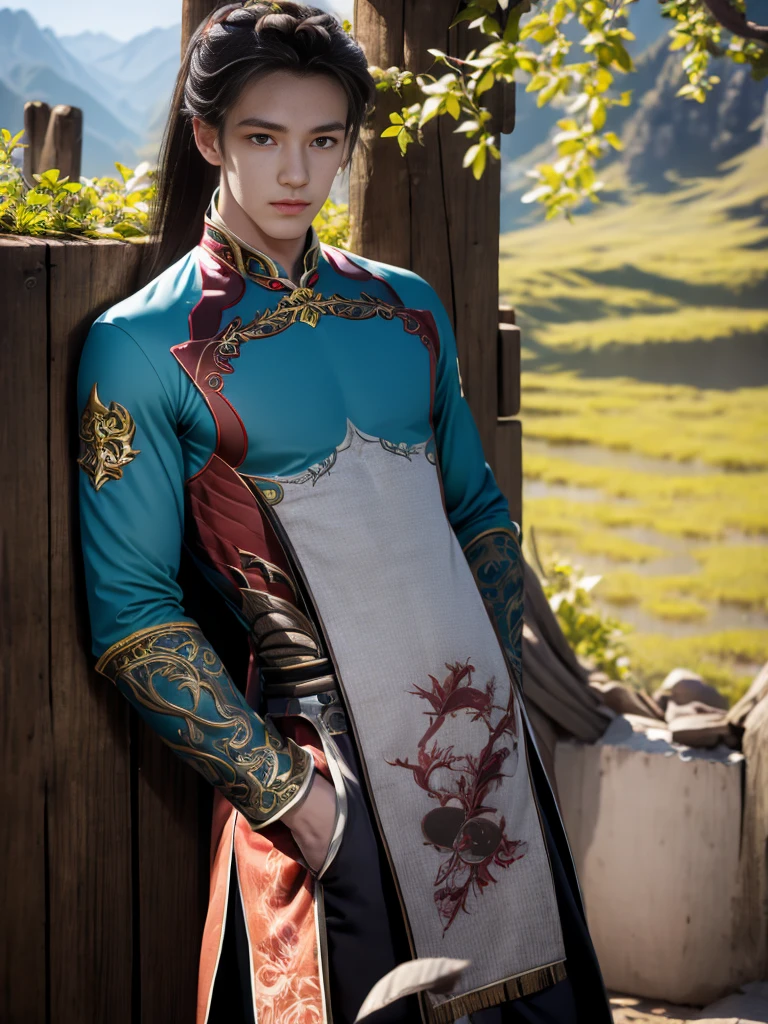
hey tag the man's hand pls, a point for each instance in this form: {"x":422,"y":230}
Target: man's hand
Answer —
{"x":312,"y":823}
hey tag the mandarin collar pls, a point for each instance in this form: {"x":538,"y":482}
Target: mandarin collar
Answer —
{"x":250,"y":262}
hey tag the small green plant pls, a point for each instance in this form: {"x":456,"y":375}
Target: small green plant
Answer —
{"x":106,"y":207}
{"x":596,"y":638}
{"x":332,"y":224}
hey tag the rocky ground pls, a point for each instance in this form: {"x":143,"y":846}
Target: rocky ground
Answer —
{"x":632,"y":1010}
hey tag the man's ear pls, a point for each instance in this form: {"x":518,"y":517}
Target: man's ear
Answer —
{"x":206,"y":138}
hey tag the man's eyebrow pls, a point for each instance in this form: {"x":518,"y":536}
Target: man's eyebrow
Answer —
{"x":273,"y":126}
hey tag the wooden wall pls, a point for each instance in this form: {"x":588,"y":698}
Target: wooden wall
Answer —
{"x":103,"y":869}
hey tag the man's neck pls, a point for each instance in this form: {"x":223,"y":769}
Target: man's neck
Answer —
{"x":288,"y":252}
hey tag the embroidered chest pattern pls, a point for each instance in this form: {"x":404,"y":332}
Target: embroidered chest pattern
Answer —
{"x":306,"y":306}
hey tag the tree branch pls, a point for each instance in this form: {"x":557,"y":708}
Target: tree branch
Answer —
{"x":736,"y":22}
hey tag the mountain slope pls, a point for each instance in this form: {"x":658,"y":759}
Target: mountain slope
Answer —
{"x":88,"y":46}
{"x":138,"y":59}
{"x":22,"y":41}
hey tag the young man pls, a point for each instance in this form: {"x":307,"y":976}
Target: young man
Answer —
{"x":292,"y":413}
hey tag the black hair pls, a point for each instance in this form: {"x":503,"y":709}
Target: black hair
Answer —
{"x":230,"y":48}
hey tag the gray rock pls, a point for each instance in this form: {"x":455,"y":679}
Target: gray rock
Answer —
{"x":683,"y":686}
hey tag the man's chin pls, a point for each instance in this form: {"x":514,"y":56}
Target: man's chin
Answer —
{"x":285,"y":226}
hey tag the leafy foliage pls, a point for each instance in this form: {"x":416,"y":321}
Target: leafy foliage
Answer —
{"x":539,"y":50}
{"x":91,"y":208}
{"x":595,"y":637}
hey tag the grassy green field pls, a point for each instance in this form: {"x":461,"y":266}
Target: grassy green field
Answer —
{"x":631,"y":470}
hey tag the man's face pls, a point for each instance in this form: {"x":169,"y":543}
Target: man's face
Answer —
{"x":283,"y":140}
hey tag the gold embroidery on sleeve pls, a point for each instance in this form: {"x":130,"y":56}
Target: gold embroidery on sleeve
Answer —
{"x":106,"y":436}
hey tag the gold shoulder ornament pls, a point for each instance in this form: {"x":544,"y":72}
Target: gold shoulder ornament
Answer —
{"x":106,"y":435}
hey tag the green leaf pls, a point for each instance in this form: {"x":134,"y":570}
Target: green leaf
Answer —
{"x":485,"y":83}
{"x":593,"y":38}
{"x":125,"y":172}
{"x":34,"y":198}
{"x":603,"y":79}
{"x":512,"y":28}
{"x":613,"y":139}
{"x":430,"y":109}
{"x":536,"y":193}
{"x":538,"y":82}
{"x":468,"y":14}
{"x":546,"y":94}
{"x":478,"y":164}
{"x":545,"y":35}
{"x":396,"y":118}
{"x":470,"y":155}
{"x":453,"y":106}
{"x":393,"y":129}
{"x":597,"y":113}
{"x":467,"y":126}
{"x":622,"y":57}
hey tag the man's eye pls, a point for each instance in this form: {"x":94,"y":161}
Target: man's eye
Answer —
{"x":326,"y":138}
{"x":259,"y":135}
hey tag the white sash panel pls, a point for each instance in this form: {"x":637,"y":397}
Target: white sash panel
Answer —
{"x":429,"y":692}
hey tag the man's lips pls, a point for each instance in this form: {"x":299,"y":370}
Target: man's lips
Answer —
{"x":290,"y":206}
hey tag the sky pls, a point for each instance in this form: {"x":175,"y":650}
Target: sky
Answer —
{"x":122,"y":23}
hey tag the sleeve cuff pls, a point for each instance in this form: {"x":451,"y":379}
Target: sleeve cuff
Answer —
{"x":304,"y":785}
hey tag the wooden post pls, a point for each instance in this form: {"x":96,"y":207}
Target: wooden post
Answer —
{"x":192,"y":13}
{"x":55,"y":139}
{"x":36,"y":116}
{"x":63,"y":143}
{"x":428,"y":213}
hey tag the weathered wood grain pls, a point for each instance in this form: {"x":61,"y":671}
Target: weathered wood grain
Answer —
{"x":63,"y":144}
{"x":91,"y":888}
{"x":24,"y":680}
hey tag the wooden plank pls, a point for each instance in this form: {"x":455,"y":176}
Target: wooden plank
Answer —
{"x":472,"y":213}
{"x":91,"y":938}
{"x":379,"y":222}
{"x":24,"y":688}
{"x":508,"y":468}
{"x":430,"y":244}
{"x":173,"y":875}
{"x":192,"y":13}
{"x":508,"y":347}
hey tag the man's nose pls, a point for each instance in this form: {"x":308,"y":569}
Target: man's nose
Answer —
{"x":294,"y":170}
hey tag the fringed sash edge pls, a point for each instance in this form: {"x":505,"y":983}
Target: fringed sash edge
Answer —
{"x":500,"y":992}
